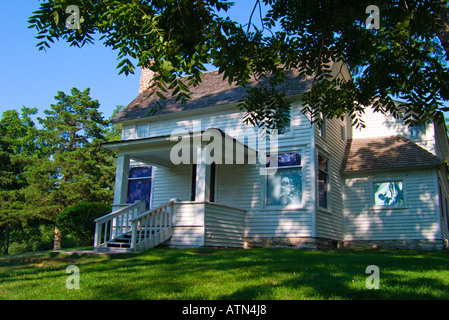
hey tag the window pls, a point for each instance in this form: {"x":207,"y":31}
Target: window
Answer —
{"x":323,"y":181}
{"x":446,"y":210}
{"x":139,"y":184}
{"x":443,"y":210}
{"x":128,"y":132}
{"x":142,"y":131}
{"x":440,"y":196}
{"x":389,"y":193}
{"x":418,"y":130}
{"x":284,"y":181}
{"x":343,"y":132}
{"x":322,"y":126}
{"x":288,"y":126}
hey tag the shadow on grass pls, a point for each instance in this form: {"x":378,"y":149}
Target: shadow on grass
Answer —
{"x":281,"y":274}
{"x":206,"y":273}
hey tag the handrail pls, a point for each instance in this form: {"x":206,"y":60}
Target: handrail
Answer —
{"x":118,"y":212}
{"x":150,"y":211}
{"x":116,"y":223}
{"x":152,"y":227}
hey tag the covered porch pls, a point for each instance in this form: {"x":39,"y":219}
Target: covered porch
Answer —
{"x":192,"y":219}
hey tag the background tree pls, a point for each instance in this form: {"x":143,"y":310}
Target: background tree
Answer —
{"x":77,"y":168}
{"x":404,"y":59}
{"x":18,"y":147}
{"x":114,"y":132}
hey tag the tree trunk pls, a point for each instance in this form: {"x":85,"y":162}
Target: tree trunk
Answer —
{"x":443,"y":28}
{"x":58,"y":239}
{"x":6,"y":246}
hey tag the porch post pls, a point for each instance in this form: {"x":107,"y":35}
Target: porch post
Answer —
{"x":202,"y":176}
{"x":201,"y":192}
{"x":121,"y":179}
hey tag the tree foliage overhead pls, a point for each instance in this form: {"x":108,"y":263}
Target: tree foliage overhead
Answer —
{"x":404,"y":59}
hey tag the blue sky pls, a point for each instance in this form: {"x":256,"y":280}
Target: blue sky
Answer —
{"x":32,"y":78}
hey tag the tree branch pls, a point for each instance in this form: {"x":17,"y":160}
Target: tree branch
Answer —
{"x":442,"y":30}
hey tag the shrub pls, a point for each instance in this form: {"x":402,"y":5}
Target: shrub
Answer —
{"x":30,"y":237}
{"x":77,"y":221}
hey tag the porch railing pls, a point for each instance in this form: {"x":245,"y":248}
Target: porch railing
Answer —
{"x":116,"y":223}
{"x":153,"y":227}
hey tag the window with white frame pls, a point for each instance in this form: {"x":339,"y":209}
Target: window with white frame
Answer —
{"x":343,"y":132}
{"x":142,"y":130}
{"x":128,"y":132}
{"x":389,"y":193}
{"x":323,"y":182}
{"x":284,"y":180}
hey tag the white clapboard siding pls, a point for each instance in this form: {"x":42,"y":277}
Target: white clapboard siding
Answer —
{"x":263,"y":221}
{"x":224,"y":226}
{"x":187,"y":220}
{"x":188,"y":224}
{"x":174,"y":183}
{"x":238,"y":185}
{"x":418,"y":219}
{"x":380,"y":125}
{"x":241,"y":186}
{"x":188,"y":214}
{"x":329,"y":222}
{"x":186,"y":237}
{"x":228,"y":119}
{"x":279,"y":223}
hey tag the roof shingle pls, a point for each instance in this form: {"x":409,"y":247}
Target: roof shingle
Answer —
{"x":382,"y":153}
{"x":212,"y":91}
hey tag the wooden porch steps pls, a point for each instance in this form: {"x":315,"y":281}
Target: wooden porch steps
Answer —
{"x":122,"y":243}
{"x":131,"y":228}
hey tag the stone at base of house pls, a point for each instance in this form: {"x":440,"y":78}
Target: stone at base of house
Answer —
{"x":415,"y":244}
{"x":309,"y":243}
{"x":306,"y":243}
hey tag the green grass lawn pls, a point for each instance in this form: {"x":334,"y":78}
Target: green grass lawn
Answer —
{"x":212,"y":274}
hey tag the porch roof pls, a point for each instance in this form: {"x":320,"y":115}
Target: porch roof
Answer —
{"x":158,"y":150}
{"x":386,"y":153}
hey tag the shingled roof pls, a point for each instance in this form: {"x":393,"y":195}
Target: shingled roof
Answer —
{"x":212,"y":91}
{"x":382,"y":153}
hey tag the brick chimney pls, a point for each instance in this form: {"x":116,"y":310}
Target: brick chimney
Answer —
{"x":145,"y":79}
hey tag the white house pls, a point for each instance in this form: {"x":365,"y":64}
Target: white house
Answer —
{"x":324,"y":187}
